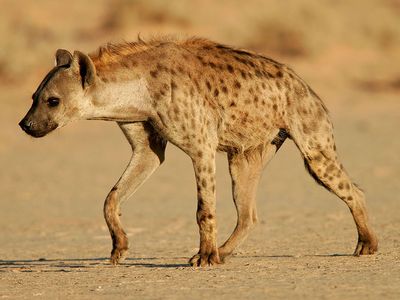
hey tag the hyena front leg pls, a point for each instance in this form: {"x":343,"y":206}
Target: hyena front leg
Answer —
{"x":204,"y":167}
{"x":148,"y":153}
{"x":245,"y":169}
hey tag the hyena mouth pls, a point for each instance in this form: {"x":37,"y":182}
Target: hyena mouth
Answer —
{"x":37,"y":133}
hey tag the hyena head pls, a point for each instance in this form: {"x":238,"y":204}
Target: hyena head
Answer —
{"x":62,"y":95}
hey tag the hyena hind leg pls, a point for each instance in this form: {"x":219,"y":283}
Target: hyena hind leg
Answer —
{"x":246,"y":169}
{"x":322,"y":163}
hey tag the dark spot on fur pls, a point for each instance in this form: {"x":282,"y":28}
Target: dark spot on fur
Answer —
{"x":157,"y":96}
{"x":204,"y":183}
{"x":224,"y":89}
{"x":216,"y":93}
{"x":197,"y":85}
{"x":237,"y":84}
{"x":208,"y":84}
{"x":330,"y":168}
{"x":315,"y":176}
{"x":200,"y":58}
{"x":306,"y":129}
{"x":154,"y":73}
{"x":230,"y":68}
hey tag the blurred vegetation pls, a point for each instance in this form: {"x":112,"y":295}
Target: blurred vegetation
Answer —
{"x":354,"y":39}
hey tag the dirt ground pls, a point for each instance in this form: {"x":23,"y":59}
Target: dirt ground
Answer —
{"x":53,"y":240}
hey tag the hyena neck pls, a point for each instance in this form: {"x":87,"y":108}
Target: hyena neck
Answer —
{"x":120,"y":100}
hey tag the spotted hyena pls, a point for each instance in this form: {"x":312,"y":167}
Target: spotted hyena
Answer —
{"x":202,"y":97}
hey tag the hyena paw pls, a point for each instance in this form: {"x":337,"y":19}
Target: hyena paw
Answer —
{"x":365,"y":247}
{"x":118,"y":255}
{"x":206,"y":259}
{"x":223,"y":254}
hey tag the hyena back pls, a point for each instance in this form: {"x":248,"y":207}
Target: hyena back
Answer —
{"x":202,"y":97}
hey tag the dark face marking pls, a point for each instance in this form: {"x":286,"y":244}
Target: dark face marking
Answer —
{"x":46,"y":80}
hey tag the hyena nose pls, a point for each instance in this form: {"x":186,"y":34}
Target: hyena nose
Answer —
{"x":25,"y":125}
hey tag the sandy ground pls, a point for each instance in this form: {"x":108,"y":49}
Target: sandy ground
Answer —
{"x":54,"y":242}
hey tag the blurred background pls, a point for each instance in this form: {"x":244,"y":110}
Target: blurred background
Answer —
{"x":53,"y":188}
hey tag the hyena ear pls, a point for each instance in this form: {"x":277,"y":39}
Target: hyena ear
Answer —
{"x":86,"y":68}
{"x":63,"y":57}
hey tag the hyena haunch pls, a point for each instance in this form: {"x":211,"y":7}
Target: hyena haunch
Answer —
{"x":202,"y":97}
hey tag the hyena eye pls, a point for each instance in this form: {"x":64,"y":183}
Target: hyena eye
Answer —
{"x":53,"y":101}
